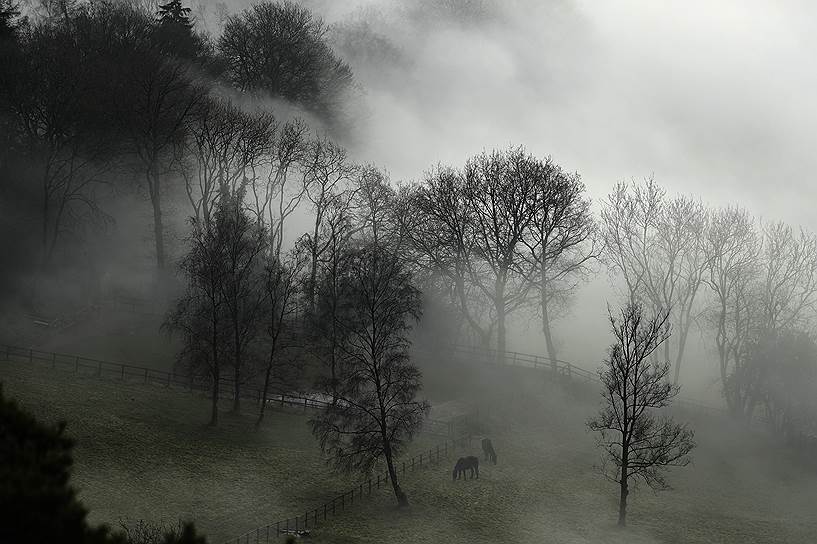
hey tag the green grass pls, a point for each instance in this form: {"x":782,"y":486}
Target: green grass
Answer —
{"x":144,"y":452}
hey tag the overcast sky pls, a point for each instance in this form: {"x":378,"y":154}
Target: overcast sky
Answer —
{"x":713,"y":98}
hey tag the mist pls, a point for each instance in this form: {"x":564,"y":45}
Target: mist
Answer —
{"x":207,"y":311}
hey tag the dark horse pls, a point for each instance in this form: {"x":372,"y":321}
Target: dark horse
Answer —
{"x":488,"y":448}
{"x":465,"y":463}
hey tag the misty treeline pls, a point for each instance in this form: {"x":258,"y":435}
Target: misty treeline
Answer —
{"x":747,"y":284}
{"x":100,"y":99}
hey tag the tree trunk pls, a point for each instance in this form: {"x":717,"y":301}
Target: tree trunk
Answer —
{"x":682,"y":340}
{"x":402,"y":499}
{"x":546,"y":330}
{"x":499,"y":304}
{"x":158,"y":225}
{"x":264,"y":394}
{"x":622,"y":503}
{"x":313,"y":269}
{"x":214,"y":410}
{"x":623,"y":477}
{"x":237,"y":375}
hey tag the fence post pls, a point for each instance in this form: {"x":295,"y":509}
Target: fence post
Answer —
{"x":282,"y":400}
{"x":412,"y":463}
{"x":305,"y":399}
{"x":30,"y":355}
{"x":277,"y":529}
{"x":306,"y":520}
{"x":324,"y":511}
{"x":146,"y":375}
{"x":404,"y":467}
{"x":370,"y":486}
{"x":378,"y":480}
{"x":569,"y":371}
{"x":123,"y":372}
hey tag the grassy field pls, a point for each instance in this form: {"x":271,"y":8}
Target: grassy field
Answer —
{"x":144,"y":452}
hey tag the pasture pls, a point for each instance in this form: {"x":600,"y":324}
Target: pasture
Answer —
{"x":143,"y":452}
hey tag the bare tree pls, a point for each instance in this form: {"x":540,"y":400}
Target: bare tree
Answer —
{"x":627,"y":220}
{"x":658,"y":245}
{"x":500,"y":190}
{"x":229,"y":149}
{"x":276,"y":195}
{"x":244,"y":244}
{"x":374,"y":199}
{"x":199,"y":315}
{"x":734,"y":250}
{"x":439,"y":232}
{"x":788,"y":277}
{"x":153,"y":94}
{"x":376,"y":411}
{"x":329,"y":173}
{"x":281,"y":278}
{"x":61,"y":131}
{"x":637,"y":444}
{"x":328,"y":311}
{"x":561,"y":242}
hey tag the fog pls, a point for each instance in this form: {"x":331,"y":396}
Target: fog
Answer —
{"x":711,"y":100}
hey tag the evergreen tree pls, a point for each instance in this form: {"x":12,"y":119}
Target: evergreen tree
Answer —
{"x":37,"y":502}
{"x":175,"y":33}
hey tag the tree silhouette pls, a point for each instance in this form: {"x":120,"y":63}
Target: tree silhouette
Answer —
{"x":637,"y":445}
{"x":376,"y":411}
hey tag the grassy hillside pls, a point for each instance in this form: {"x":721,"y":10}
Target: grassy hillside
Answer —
{"x":144,"y":452}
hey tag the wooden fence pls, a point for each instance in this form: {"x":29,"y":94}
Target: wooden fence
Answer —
{"x":563,"y":369}
{"x":127,"y":373}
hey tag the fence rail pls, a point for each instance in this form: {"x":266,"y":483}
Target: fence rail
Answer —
{"x":561,"y":368}
{"x":313,"y":517}
{"x":129,"y":373}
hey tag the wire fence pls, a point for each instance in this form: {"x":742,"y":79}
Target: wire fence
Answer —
{"x":295,"y":525}
{"x":301,"y":524}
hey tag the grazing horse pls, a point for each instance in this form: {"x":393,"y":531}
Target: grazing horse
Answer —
{"x":465,"y":463}
{"x":488,"y":448}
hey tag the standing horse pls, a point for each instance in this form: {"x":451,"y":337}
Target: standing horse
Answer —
{"x":465,"y":463}
{"x":488,"y":448}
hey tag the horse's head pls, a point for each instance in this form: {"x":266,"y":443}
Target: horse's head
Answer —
{"x":458,"y":467}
